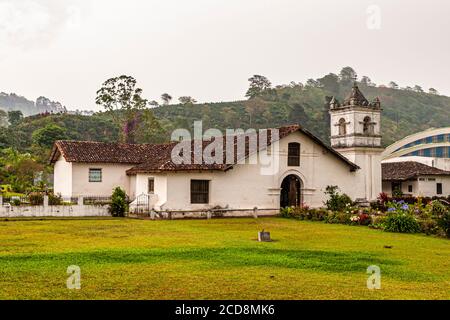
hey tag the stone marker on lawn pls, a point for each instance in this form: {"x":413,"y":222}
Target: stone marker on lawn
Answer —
{"x":264,"y":236}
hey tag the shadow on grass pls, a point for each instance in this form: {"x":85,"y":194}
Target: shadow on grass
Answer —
{"x":219,"y":258}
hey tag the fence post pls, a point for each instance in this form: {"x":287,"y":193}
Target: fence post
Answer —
{"x":1,"y":200}
{"x":255,"y":212}
{"x":208,"y":215}
{"x":152,"y":214}
{"x":46,"y":201}
{"x":80,"y":200}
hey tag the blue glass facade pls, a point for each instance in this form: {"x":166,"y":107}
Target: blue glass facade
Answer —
{"x":440,"y":152}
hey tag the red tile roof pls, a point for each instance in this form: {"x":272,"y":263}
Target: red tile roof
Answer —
{"x":157,"y":157}
{"x":408,"y":169}
{"x":100,"y":152}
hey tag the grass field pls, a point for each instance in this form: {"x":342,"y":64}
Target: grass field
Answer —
{"x":217,"y":259}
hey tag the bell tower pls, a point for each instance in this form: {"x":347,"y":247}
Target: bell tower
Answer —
{"x":356,"y":134}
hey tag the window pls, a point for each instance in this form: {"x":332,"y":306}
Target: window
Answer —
{"x":294,"y":154}
{"x":367,"y":126}
{"x":199,"y":191}
{"x":151,"y":185}
{"x":396,"y":187}
{"x":342,"y":127}
{"x":95,"y":175}
{"x":431,"y":179}
{"x":410,"y":188}
{"x":439,"y":188}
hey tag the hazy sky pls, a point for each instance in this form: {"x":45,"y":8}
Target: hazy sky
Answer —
{"x":65,"y":49}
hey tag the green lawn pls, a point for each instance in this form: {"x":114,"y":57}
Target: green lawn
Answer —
{"x":216,"y":259}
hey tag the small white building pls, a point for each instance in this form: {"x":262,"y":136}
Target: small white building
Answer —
{"x":303,"y":167}
{"x":415,"y":179}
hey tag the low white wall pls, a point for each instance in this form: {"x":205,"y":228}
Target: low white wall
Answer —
{"x":80,"y":210}
{"x":53,"y":211}
{"x":206,"y":214}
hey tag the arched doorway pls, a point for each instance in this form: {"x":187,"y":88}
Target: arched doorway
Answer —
{"x":291,"y":191}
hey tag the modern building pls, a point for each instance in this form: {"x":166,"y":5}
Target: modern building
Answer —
{"x":430,"y":147}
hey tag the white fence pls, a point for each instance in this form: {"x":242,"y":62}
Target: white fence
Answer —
{"x":45,"y":210}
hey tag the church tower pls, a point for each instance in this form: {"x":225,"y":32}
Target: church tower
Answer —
{"x":356,"y":134}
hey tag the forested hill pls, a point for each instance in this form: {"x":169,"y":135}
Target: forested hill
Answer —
{"x":405,"y":111}
{"x":14,"y":102}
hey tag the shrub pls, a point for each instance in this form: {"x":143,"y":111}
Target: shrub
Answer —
{"x":339,"y":217}
{"x":403,"y":222}
{"x":429,"y":226}
{"x":383,"y":198}
{"x":119,"y":203}
{"x":304,"y":213}
{"x":438,"y":208}
{"x":319,"y":214}
{"x":444,"y":223}
{"x":54,"y":200}
{"x":397,"y":193}
{"x":36,"y":199}
{"x":378,"y":222}
{"x":364,"y":219}
{"x":286,"y":212}
{"x":336,"y":201}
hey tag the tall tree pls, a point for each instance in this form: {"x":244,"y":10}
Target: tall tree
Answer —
{"x":393,"y":85}
{"x":348,"y":75}
{"x":3,"y":118}
{"x":153,"y":103}
{"x":253,"y":107}
{"x":330,"y":82}
{"x":45,"y":137}
{"x":15,"y":117}
{"x":313,"y":83}
{"x":365,"y":80}
{"x":166,"y":98}
{"x":298,"y":115}
{"x":187,"y":100}
{"x":258,"y":84}
{"x":123,"y":100}
{"x":418,"y":88}
{"x":433,"y":91}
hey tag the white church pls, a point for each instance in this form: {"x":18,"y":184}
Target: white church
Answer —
{"x":305,"y":166}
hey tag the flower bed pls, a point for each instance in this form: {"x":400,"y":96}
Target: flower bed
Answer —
{"x":429,"y":216}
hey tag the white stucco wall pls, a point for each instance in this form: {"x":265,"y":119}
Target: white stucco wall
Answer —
{"x":62,"y":178}
{"x":243,"y":187}
{"x":424,"y":186}
{"x":132,"y":183}
{"x":113,"y":175}
{"x":369,"y":176}
{"x":427,"y":188}
{"x":160,"y":184}
{"x":387,"y":187}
